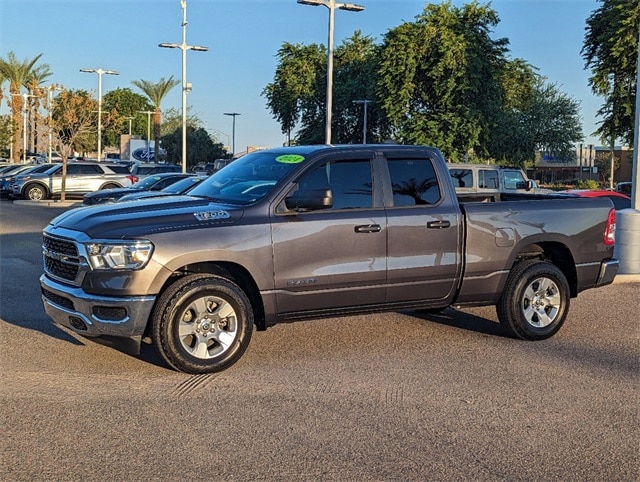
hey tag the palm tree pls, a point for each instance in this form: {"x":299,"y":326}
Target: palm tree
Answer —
{"x":156,"y":93}
{"x":17,"y":72}
{"x":37,"y":76}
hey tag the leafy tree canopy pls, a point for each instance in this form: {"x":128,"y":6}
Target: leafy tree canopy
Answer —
{"x":610,"y":50}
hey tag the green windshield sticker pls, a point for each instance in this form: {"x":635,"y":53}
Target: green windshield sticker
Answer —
{"x":290,"y":159}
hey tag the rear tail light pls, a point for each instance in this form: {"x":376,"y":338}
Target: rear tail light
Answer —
{"x":610,"y":231}
{"x":133,"y":178}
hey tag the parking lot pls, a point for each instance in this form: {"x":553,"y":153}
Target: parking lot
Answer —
{"x":396,"y":396}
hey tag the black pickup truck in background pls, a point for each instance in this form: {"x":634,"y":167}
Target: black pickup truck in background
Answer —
{"x":311,"y":231}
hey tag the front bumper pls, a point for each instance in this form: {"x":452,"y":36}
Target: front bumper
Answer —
{"x":91,"y":315}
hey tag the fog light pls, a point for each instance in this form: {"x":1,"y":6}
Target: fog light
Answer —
{"x":77,"y":323}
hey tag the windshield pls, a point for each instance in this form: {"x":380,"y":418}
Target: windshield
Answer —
{"x":146,"y":183}
{"x":182,"y":185}
{"x":248,"y":179}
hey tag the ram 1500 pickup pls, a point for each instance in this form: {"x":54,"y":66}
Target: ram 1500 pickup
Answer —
{"x":311,"y":231}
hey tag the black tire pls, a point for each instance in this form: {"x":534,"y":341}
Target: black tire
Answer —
{"x":202,"y":324}
{"x":35,"y":192}
{"x":109,"y":186}
{"x":535,"y":300}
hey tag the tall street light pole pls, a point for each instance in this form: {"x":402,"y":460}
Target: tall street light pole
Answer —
{"x":233,"y":132}
{"x":100,"y":72}
{"x":50,"y":89}
{"x":148,"y":112}
{"x":365,"y":102}
{"x":185,"y":86}
{"x":331,"y":5}
{"x":25,"y":112}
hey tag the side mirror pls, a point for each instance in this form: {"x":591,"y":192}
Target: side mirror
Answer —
{"x":529,"y":185}
{"x":309,"y":200}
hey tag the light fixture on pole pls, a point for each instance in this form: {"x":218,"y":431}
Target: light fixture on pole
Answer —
{"x":149,"y":112}
{"x":100,"y":72}
{"x":331,"y":5}
{"x":50,"y":89}
{"x":365,"y":102}
{"x":233,"y":132}
{"x":185,"y":86}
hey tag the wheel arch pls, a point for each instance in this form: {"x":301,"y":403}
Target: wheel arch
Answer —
{"x":557,"y":253}
{"x":29,"y":184}
{"x":109,"y":185}
{"x":233,"y":272}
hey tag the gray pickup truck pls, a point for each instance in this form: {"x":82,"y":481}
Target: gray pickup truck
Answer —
{"x":311,"y":231}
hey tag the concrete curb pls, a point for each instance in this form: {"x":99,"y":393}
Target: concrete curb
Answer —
{"x":49,"y":203}
{"x":626,"y":278}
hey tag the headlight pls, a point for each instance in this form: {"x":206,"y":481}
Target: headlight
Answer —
{"x":133,"y":255}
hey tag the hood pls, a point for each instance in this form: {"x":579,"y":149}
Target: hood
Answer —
{"x":144,"y":218}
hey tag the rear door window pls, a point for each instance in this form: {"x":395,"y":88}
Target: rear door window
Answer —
{"x":488,"y":179}
{"x":414,"y":182}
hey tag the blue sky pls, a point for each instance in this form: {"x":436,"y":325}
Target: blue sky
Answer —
{"x":244,"y":36}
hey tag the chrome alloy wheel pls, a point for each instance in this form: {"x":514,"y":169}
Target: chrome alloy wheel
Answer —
{"x":541,"y":302}
{"x":208,"y":327}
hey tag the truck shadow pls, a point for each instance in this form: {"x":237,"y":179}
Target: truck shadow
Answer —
{"x":462,"y":320}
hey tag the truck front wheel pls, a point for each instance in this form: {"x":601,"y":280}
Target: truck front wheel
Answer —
{"x":535,"y":300}
{"x":202,"y":324}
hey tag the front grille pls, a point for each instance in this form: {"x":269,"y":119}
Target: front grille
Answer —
{"x":61,"y":246}
{"x":61,"y":258}
{"x":61,"y":269}
{"x":58,"y":300}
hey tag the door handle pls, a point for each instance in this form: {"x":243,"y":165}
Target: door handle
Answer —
{"x":368,"y":228}
{"x":438,"y":224}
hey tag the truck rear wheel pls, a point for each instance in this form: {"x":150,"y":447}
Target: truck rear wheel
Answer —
{"x":202,"y":324}
{"x":535,"y":300}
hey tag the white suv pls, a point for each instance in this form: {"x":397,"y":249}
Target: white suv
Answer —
{"x":82,"y":177}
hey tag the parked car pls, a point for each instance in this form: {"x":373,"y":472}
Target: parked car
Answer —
{"x":82,"y":177}
{"x":480,"y":182}
{"x":624,"y":188}
{"x":25,"y":169}
{"x":183,"y":186}
{"x":620,"y":201}
{"x":141,"y":169}
{"x":152,"y":183}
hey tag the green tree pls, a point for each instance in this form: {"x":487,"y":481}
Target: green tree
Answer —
{"x":201,"y":147}
{"x":356,"y":78}
{"x":440,"y":78}
{"x":17,"y":73}
{"x":73,"y":114}
{"x":5,"y":133}
{"x":173,"y":121}
{"x":603,"y":163}
{"x":119,"y":105}
{"x":296,"y":94}
{"x":541,"y":119}
{"x":610,"y":50}
{"x":156,"y":94}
